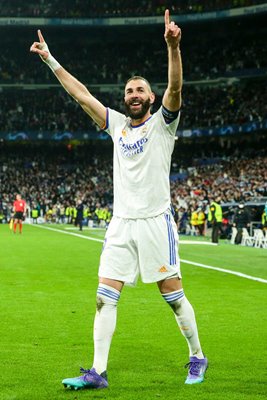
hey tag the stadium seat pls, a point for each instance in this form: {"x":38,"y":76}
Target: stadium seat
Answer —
{"x":191,"y":230}
{"x":265,"y":240}
{"x":260,"y":239}
{"x":247,"y":240}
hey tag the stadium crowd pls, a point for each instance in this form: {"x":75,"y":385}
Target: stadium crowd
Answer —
{"x":52,"y":179}
{"x":245,"y":54}
{"x":242,"y":100}
{"x":55,"y":111}
{"x":114,"y":8}
{"x":243,"y":58}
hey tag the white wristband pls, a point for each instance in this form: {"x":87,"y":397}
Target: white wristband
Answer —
{"x":52,"y":63}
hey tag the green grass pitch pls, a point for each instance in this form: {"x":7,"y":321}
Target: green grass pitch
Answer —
{"x":48,"y":282}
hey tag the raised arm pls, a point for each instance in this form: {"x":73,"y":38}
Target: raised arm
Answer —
{"x":172,"y":98}
{"x":76,"y":89}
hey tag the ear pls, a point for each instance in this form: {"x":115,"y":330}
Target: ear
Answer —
{"x":152,"y":98}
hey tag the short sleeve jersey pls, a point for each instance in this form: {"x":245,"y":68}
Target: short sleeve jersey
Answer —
{"x":19,"y":205}
{"x":141,"y":164}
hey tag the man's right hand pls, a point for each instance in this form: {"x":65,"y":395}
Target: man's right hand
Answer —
{"x":40,"y":47}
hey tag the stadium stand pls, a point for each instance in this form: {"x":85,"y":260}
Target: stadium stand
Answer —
{"x":222,"y":145}
{"x":57,"y":175}
{"x":55,"y":111}
{"x":209,"y":57}
{"x":114,"y":8}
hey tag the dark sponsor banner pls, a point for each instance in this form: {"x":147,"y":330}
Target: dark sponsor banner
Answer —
{"x":224,"y":130}
{"x":125,"y":21}
{"x":227,"y":130}
{"x":58,"y":136}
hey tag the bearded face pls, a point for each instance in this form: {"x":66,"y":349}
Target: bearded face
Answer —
{"x":137,"y":108}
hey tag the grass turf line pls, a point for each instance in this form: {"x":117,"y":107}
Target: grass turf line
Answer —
{"x":47,"y":300}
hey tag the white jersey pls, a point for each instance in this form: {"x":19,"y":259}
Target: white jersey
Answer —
{"x":141,"y":164}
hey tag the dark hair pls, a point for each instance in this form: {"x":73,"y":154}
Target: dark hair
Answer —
{"x":137,"y":77}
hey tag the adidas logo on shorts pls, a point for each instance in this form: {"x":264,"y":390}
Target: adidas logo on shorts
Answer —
{"x":163,"y":269}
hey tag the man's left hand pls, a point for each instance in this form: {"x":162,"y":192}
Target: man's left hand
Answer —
{"x":172,"y":33}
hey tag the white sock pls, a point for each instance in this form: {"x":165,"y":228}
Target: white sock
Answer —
{"x":185,"y":317}
{"x":104,"y":325}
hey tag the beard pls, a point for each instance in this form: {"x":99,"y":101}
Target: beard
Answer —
{"x":138,"y":114}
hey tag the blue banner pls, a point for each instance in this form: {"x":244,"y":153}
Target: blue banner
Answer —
{"x":224,"y":130}
{"x":26,"y":136}
{"x":227,"y":130}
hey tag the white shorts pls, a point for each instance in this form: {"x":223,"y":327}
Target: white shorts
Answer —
{"x":145,"y":247}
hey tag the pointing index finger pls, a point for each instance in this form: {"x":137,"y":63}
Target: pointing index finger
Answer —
{"x":41,"y":38}
{"x":167,"y":18}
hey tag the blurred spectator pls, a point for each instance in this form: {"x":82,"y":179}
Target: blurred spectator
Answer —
{"x":114,"y":8}
{"x":264,"y":219}
{"x":201,"y":221}
{"x":215,"y":218}
{"x":241,"y":221}
{"x":194,"y":220}
{"x":79,"y":214}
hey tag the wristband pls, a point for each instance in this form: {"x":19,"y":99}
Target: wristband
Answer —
{"x":52,"y":63}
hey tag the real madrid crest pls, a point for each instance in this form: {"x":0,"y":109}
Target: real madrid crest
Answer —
{"x":144,"y":131}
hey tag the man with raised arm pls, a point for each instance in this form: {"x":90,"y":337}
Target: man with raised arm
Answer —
{"x":142,"y":238}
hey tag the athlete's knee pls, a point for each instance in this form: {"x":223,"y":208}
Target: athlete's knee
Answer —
{"x":106,"y":295}
{"x":118,"y":285}
{"x":170,"y":284}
